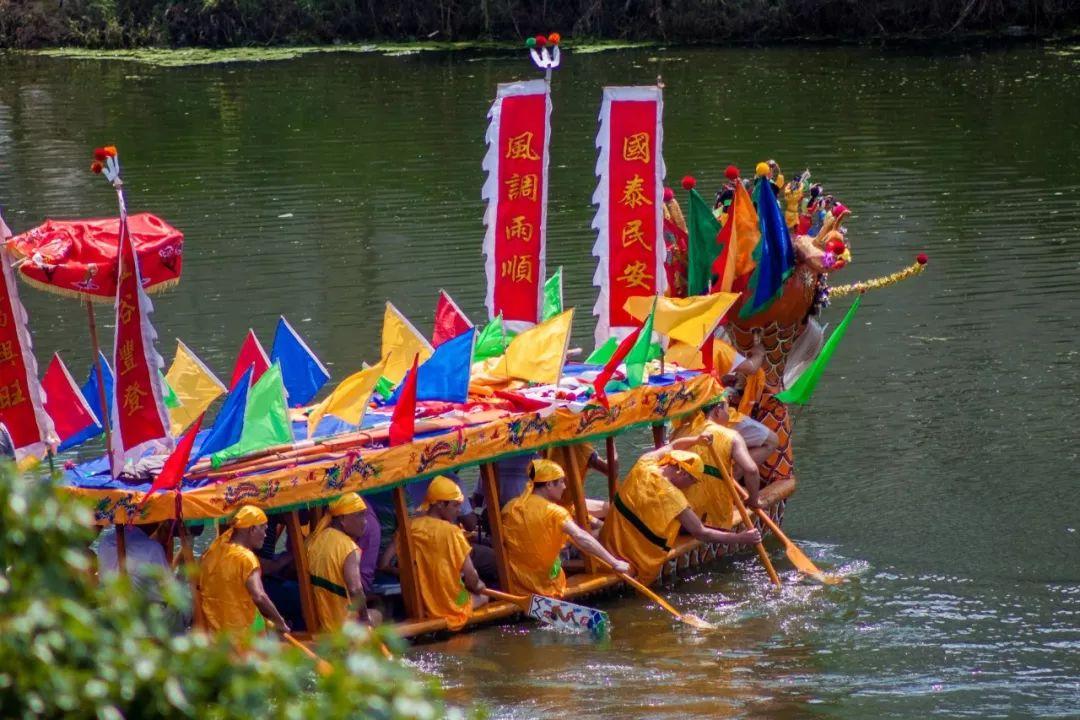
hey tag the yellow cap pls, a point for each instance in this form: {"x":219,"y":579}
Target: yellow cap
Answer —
{"x":689,"y":461}
{"x":347,"y":505}
{"x":545,"y":471}
{"x":442,"y":489}
{"x":762,"y":169}
{"x":248,"y":516}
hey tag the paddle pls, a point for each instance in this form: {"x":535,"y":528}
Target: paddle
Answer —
{"x":322,"y":666}
{"x":741,"y":507}
{"x":797,"y":557}
{"x":559,"y":614}
{"x":691,"y":620}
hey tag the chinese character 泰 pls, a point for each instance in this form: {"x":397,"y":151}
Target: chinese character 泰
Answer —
{"x":634,"y":193}
{"x":632,"y":233}
{"x":133,"y":395}
{"x":127,"y":308}
{"x":634,"y":275}
{"x":518,"y":268}
{"x":11,"y":395}
{"x":636,"y":147}
{"x":519,"y":147}
{"x":518,"y":229}
{"x":522,"y":186}
{"x":127,"y":356}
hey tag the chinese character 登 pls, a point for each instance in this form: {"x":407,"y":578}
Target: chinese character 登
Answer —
{"x":636,"y":147}
{"x":634,"y":275}
{"x":632,"y":233}
{"x":127,"y":357}
{"x":518,"y":229}
{"x":518,"y":268}
{"x":634,"y":193}
{"x":522,"y":186}
{"x":133,"y":395}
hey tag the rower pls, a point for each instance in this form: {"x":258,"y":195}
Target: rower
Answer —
{"x":649,"y":509}
{"x":450,"y":587}
{"x":230,"y":580}
{"x":334,"y":565}
{"x":535,"y":529}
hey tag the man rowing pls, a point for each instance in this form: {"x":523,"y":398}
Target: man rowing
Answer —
{"x":334,"y":565}
{"x":230,"y":580}
{"x":536,"y":528}
{"x":650,"y":508}
{"x":723,"y":450}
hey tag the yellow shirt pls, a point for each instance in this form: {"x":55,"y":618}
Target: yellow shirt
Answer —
{"x":711,"y":498}
{"x":226,"y":604}
{"x":327,"y":551}
{"x":534,"y":537}
{"x":582,"y":452}
{"x":440,"y":548}
{"x":644,"y":521}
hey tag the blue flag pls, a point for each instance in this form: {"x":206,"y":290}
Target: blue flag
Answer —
{"x":229,"y":423}
{"x":90,"y":393}
{"x":445,"y":375}
{"x":301,"y":372}
{"x":774,"y":254}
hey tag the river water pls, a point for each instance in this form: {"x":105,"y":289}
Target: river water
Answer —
{"x":936,"y":462}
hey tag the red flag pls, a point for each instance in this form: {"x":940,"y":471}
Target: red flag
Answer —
{"x":172,"y":472}
{"x":707,"y":358}
{"x":609,"y":369}
{"x":520,"y":402}
{"x":64,"y":402}
{"x":449,"y":320}
{"x":251,"y":353}
{"x":403,"y":421}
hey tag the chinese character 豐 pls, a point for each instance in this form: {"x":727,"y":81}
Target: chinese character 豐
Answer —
{"x":519,"y":147}
{"x":522,"y":186}
{"x":634,"y":193}
{"x":133,"y":395}
{"x":519,"y":268}
{"x":636,"y":147}
{"x":632,"y":234}
{"x":635,"y":275}
{"x":127,"y":357}
{"x":518,"y":229}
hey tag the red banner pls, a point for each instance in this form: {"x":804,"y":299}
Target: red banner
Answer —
{"x":629,"y":219}
{"x":516,"y":193}
{"x":139,"y":415}
{"x":21,"y":402}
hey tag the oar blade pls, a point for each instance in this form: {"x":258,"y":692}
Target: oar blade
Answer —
{"x":564,"y":615}
{"x":696,"y":622}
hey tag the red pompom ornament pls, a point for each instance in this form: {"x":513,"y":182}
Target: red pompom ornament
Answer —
{"x":554,"y":38}
{"x":110,"y":150}
{"x":922,"y":259}
{"x":541,"y":41}
{"x":669,"y":194}
{"x":689,"y":182}
{"x":835,"y":246}
{"x":96,"y":167}
{"x":732,"y":172}
{"x":100,"y":155}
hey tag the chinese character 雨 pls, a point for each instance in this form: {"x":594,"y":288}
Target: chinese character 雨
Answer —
{"x":518,"y":229}
{"x":636,"y":147}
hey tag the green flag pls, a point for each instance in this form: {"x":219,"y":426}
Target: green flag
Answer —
{"x":602,"y":354}
{"x":266,"y":419}
{"x":801,"y":390}
{"x":552,"y":296}
{"x":491,"y":340}
{"x":168,"y":394}
{"x":702,"y":228}
{"x":384,"y":386}
{"x":639,"y":354}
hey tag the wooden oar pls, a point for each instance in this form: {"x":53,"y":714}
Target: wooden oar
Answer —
{"x":763,"y":554}
{"x":558,"y":613}
{"x":322,"y":666}
{"x":795,"y":554}
{"x":691,"y":620}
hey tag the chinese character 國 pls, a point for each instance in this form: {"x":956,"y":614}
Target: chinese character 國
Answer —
{"x":636,"y":147}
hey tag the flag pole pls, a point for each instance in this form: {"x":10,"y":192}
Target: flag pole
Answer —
{"x":102,"y":400}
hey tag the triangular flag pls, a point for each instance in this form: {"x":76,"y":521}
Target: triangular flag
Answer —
{"x":251,"y":355}
{"x":266,"y":419}
{"x":702,"y":227}
{"x":384,"y":387}
{"x":774,"y":255}
{"x":195,"y":387}
{"x":401,"y":341}
{"x":738,"y":240}
{"x":492,"y":340}
{"x":449,"y":320}
{"x":689,"y":320}
{"x":613,"y":362}
{"x":538,"y":354}
{"x":349,"y":400}
{"x":801,"y":390}
{"x":640,"y":353}
{"x":403,"y":421}
{"x":229,"y":423}
{"x":92,"y":396}
{"x":168,"y":395}
{"x":71,"y":415}
{"x":302,"y":372}
{"x":602,"y":354}
{"x":553,"y":294}
{"x":171,"y":476}
{"x":445,"y":375}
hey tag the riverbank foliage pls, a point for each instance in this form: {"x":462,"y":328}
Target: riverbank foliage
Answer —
{"x":70,"y":647}
{"x":229,"y":23}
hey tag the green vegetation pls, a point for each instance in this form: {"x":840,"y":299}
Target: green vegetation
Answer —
{"x":233,"y":23}
{"x":72,"y":648}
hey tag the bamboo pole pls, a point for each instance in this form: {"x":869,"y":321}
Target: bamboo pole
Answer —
{"x":488,"y":475}
{"x":612,"y":467}
{"x":303,"y":573}
{"x":658,"y":435}
{"x":410,"y":586}
{"x":102,"y":400}
{"x":576,"y":485}
{"x":187,"y":552}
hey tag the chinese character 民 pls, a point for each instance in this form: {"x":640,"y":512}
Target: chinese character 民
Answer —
{"x":518,"y":229}
{"x":127,"y":308}
{"x":634,"y":193}
{"x":11,"y":395}
{"x":519,"y":147}
{"x":7,"y":351}
{"x":518,"y":268}
{"x":133,"y":395}
{"x":522,"y":186}
{"x":127,"y":357}
{"x":636,"y":147}
{"x":632,"y":234}
{"x":634,"y":275}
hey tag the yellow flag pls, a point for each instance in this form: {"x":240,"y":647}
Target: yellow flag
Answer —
{"x":400,"y":343}
{"x":538,"y":354}
{"x":194,"y":385}
{"x":349,"y":399}
{"x":690,"y":320}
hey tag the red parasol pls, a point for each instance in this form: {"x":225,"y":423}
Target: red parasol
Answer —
{"x":78,"y":257}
